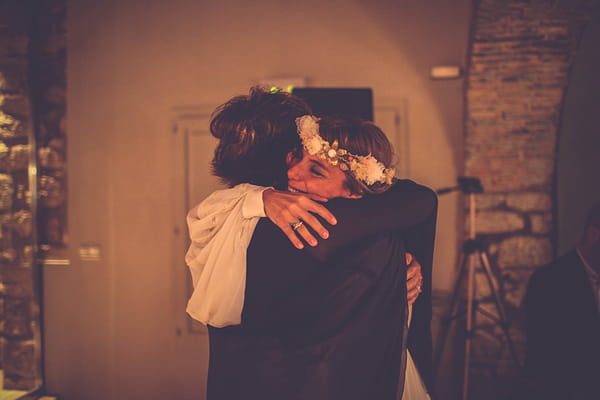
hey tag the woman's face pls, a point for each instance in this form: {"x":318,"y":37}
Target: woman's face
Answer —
{"x":313,"y":175}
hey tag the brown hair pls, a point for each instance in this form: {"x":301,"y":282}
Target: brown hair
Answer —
{"x":255,"y":133}
{"x":361,"y":138}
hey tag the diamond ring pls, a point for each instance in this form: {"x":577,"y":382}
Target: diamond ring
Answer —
{"x":297,"y":225}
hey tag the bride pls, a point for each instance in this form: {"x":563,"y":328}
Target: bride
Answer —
{"x":334,"y":158}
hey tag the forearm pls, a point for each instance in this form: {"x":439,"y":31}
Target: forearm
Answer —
{"x":406,"y":205}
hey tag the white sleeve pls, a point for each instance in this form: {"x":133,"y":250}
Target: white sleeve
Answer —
{"x":253,"y":202}
{"x":221,"y":228}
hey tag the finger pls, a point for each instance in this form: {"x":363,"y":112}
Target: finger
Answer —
{"x":412,"y":284}
{"x":291,"y":235}
{"x":409,"y":258}
{"x":412,"y":272}
{"x":315,"y":224}
{"x":316,"y":197}
{"x":412,"y":296}
{"x":306,"y":235}
{"x":415,"y":292}
{"x":323,"y":212}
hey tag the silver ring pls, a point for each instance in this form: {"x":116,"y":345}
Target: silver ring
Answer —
{"x":297,"y":225}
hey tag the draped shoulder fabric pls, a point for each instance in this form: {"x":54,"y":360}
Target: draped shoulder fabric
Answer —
{"x":220,"y":229}
{"x":329,"y":322}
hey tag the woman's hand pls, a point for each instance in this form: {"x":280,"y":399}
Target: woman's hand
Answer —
{"x":292,"y":211}
{"x":414,"y":279}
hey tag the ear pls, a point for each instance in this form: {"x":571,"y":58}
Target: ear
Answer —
{"x":290,"y":160}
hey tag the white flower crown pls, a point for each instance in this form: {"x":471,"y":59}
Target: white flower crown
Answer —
{"x":364,"y":168}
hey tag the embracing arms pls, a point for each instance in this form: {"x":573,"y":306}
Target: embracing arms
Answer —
{"x":405,"y":205}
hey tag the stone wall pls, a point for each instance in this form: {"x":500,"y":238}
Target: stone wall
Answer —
{"x":48,"y":76}
{"x":19,"y":311}
{"x":32,"y":71}
{"x":520,"y":57}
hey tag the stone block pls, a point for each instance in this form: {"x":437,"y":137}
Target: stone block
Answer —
{"x":4,"y":153}
{"x":483,"y":290}
{"x":19,"y":157}
{"x":17,"y":321}
{"x":490,"y":222}
{"x":20,"y":368}
{"x":529,"y":201}
{"x":541,"y":223}
{"x":48,"y":157}
{"x":51,"y":191}
{"x":6,"y":192}
{"x":514,"y":284}
{"x":50,"y":123}
{"x":53,"y":228}
{"x":18,"y":284}
{"x":524,"y":251}
{"x":512,"y":173}
{"x":14,"y":78}
{"x":9,"y":126}
{"x":8,"y":256}
{"x":486,"y":201}
{"x":22,"y":223}
{"x":17,"y":106}
{"x":27,"y":258}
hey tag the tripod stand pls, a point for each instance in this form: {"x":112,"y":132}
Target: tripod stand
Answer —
{"x":472,"y":250}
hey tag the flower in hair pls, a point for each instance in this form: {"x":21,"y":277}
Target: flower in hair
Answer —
{"x":364,"y":168}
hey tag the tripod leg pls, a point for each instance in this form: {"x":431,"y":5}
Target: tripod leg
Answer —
{"x":499,"y":301}
{"x":469,"y":330}
{"x":452,"y":314}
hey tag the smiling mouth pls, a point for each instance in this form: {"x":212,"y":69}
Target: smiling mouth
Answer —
{"x":294,"y":190}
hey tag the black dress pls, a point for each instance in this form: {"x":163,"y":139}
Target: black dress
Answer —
{"x":329,"y":322}
{"x":563,"y":332}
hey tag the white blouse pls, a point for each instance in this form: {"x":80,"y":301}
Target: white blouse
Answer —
{"x":220,"y":229}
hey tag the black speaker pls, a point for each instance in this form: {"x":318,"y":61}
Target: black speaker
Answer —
{"x":356,"y":102}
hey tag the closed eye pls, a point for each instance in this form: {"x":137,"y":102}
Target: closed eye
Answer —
{"x":314,"y":171}
{"x":317,"y":169}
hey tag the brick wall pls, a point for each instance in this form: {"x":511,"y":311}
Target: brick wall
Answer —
{"x":520,"y":57}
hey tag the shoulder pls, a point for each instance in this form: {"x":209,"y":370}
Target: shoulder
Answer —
{"x":557,"y":270}
{"x":416,"y":191}
{"x":410,"y":185}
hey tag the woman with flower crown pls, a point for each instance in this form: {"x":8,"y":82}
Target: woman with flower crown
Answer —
{"x":332,"y":152}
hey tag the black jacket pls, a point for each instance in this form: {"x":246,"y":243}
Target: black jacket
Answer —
{"x":329,"y":322}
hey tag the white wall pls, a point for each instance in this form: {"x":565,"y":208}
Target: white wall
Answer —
{"x":110,"y":330}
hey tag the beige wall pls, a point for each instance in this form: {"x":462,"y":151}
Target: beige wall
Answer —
{"x":110,"y":324}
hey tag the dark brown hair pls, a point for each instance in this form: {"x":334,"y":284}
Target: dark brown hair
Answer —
{"x":361,"y":138}
{"x":255,"y":133}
